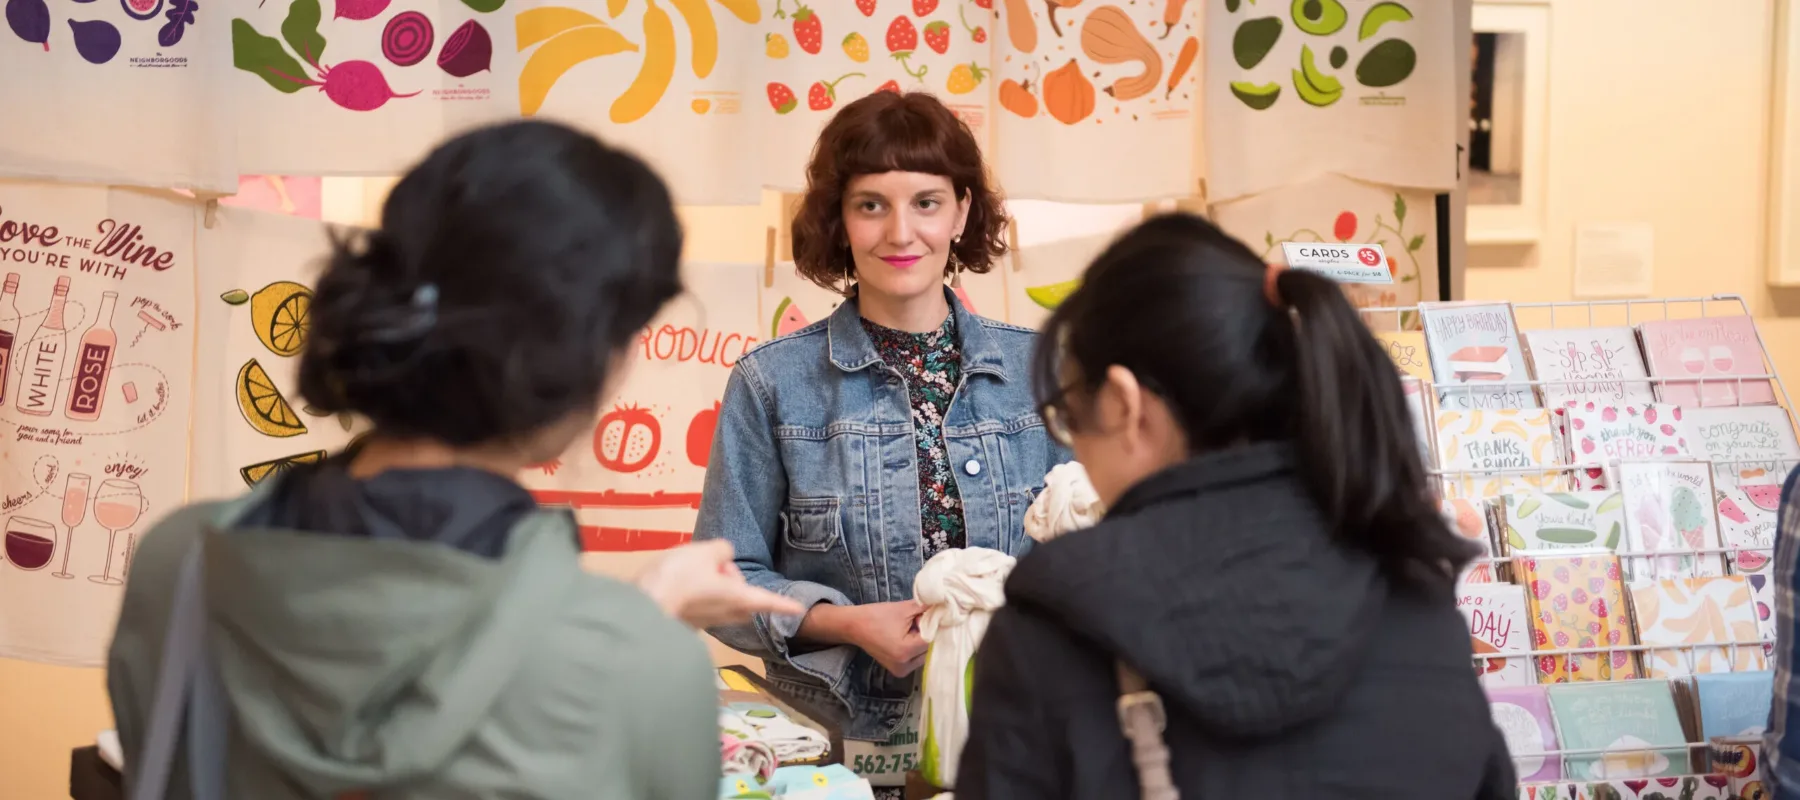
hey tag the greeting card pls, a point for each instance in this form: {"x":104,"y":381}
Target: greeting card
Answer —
{"x":1476,"y":356}
{"x":1414,"y":389}
{"x":1734,"y":703}
{"x":1748,"y":444}
{"x":1589,"y":365}
{"x":1684,"y":787}
{"x":1696,"y":611}
{"x":1538,"y":520}
{"x":1522,"y":713}
{"x":1407,"y":349}
{"x":1631,"y":721}
{"x":1577,"y":602}
{"x":1496,"y":615}
{"x":1489,"y":450}
{"x":1469,"y":519}
{"x":1667,"y":508}
{"x":1747,"y":518}
{"x":1602,"y":433}
{"x":1710,"y":348}
{"x":1762,"y":593}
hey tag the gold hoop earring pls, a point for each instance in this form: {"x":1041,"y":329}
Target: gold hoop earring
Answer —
{"x":954,"y":268}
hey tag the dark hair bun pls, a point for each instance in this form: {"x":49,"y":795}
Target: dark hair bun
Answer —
{"x":511,"y":265}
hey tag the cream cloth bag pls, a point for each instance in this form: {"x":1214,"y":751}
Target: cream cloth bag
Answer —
{"x":960,"y":590}
{"x":1068,"y":503}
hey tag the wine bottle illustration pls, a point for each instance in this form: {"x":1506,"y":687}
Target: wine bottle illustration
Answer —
{"x":9,"y":329}
{"x":42,"y":359}
{"x":93,"y":363}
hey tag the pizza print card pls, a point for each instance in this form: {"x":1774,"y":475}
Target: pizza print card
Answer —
{"x":1711,"y":348}
{"x":1477,"y":356}
{"x":1747,"y":444}
{"x":1589,"y":365}
{"x":1496,"y":615}
{"x":1605,"y":434}
{"x":1696,"y":611}
{"x":1486,"y":452}
{"x":1537,"y":520}
{"x":1577,"y":601}
{"x":1668,"y":508}
{"x":1747,"y":517}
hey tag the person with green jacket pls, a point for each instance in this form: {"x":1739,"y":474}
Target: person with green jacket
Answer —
{"x":402,"y":620}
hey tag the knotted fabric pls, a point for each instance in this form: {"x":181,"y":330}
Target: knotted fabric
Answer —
{"x":960,"y":590}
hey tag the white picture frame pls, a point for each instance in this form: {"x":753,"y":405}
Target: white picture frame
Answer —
{"x":1521,"y":223}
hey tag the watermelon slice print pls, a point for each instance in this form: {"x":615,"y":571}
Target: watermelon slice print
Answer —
{"x":787,"y":319}
{"x":1767,"y":498}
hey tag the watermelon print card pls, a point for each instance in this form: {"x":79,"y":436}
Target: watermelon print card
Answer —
{"x":1625,"y":719}
{"x":1602,"y":433}
{"x":1496,"y":615}
{"x":1576,"y":601}
{"x":1710,"y":347}
{"x":1747,"y":517}
{"x":1589,"y":365}
{"x":1667,"y":509}
{"x":1748,"y":444}
{"x":1692,"y":612}
{"x":1407,"y":349}
{"x":1489,"y":447}
{"x":1477,"y":356}
{"x":1522,"y":713}
{"x":1538,"y":520}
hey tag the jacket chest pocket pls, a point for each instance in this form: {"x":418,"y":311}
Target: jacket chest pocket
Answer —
{"x":812,"y":524}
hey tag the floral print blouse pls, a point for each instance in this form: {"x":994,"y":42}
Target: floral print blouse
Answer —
{"x":931,"y":363}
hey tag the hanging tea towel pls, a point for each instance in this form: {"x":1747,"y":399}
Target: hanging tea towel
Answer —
{"x":1068,"y":503}
{"x":960,"y":590}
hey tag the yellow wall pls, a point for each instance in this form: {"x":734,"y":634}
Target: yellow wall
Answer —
{"x":1656,"y":115}
{"x":1661,"y":116}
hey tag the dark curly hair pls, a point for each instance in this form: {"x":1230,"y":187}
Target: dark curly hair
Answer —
{"x":893,"y":132}
{"x":510,"y":268}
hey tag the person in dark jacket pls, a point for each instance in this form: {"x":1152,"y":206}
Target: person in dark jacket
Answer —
{"x":1271,"y":563}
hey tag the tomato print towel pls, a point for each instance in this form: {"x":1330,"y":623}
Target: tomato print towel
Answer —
{"x":1578,"y":602}
{"x":1696,"y":611}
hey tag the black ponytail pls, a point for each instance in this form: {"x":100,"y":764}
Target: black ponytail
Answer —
{"x":1190,"y":311}
{"x":1361,"y":451}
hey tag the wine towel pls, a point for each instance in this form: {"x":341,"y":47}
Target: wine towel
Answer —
{"x":960,"y":590}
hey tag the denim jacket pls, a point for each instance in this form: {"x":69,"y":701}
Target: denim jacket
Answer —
{"x":814,"y":479}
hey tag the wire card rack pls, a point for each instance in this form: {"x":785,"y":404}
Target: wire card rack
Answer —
{"x":1572,"y":315}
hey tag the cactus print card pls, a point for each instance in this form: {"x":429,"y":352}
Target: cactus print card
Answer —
{"x":1470,"y":443}
{"x":1668,"y":508}
{"x":1576,"y":601}
{"x":1696,"y":611}
{"x":1538,"y":520}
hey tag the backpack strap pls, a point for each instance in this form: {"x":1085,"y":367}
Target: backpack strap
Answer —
{"x":1143,"y":719}
{"x":187,"y":685}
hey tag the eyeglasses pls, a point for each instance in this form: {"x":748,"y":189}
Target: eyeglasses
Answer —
{"x":1056,"y":422}
{"x":1057,"y":427}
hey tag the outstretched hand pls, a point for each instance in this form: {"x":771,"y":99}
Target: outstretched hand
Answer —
{"x":700,"y":585}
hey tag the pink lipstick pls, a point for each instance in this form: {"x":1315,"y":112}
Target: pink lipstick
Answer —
{"x":901,"y":261}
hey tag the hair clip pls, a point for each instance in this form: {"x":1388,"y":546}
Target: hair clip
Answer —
{"x":420,"y":319}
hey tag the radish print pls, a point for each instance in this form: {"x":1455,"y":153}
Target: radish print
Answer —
{"x":357,"y":85}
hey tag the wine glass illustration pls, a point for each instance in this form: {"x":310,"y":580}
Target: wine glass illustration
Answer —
{"x":74,"y":512}
{"x":1693,"y":359}
{"x":30,"y":542}
{"x":117,"y":506}
{"x":1722,"y":360}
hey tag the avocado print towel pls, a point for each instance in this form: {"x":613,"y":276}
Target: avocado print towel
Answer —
{"x":1697,"y":611}
{"x":1359,"y":89}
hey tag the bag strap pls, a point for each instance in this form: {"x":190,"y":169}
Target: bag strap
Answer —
{"x":1143,"y":720}
{"x":187,"y":686}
